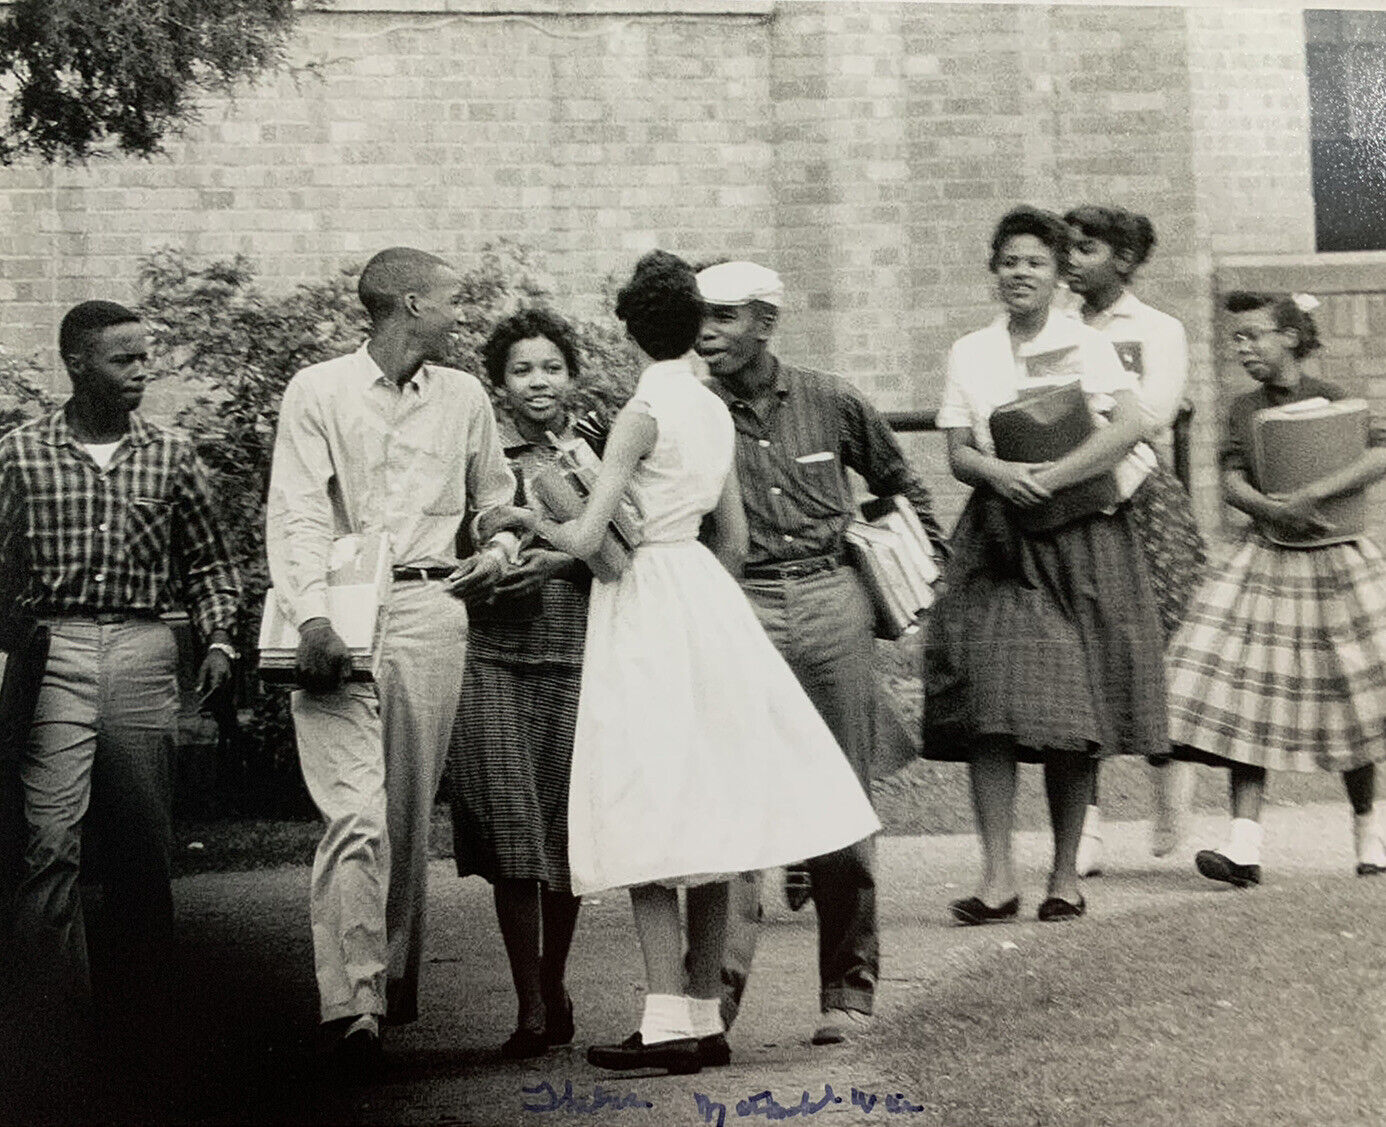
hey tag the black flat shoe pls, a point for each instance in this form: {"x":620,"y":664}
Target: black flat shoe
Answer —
{"x":1056,"y":910}
{"x":974,"y":911}
{"x":558,"y":1026}
{"x":524,"y":1044}
{"x":680,"y":1057}
{"x":1215,"y":866}
{"x":713,"y":1051}
{"x":1370,"y":869}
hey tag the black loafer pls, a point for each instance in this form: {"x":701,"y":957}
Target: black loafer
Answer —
{"x":1370,"y":869}
{"x":1057,"y":910}
{"x":680,"y":1057}
{"x":974,"y":911}
{"x":713,"y":1051}
{"x":1215,"y":866}
{"x":524,"y":1044}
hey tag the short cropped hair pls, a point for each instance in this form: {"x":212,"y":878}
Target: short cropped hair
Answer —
{"x":1286,"y":313}
{"x":661,"y":306}
{"x":526,"y":324}
{"x":1128,"y":234}
{"x":1047,"y":227}
{"x":83,"y":322}
{"x":391,"y":274}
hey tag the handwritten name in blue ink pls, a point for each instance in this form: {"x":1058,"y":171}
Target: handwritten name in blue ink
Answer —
{"x":547,"y":1098}
{"x":764,"y":1104}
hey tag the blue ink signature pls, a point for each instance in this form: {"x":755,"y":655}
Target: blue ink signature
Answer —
{"x":765,"y":1105}
{"x":548,"y":1099}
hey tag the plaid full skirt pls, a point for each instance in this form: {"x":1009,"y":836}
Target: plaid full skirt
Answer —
{"x":508,"y":770}
{"x":1175,"y":554}
{"x":1281,"y":660}
{"x":1051,"y":641}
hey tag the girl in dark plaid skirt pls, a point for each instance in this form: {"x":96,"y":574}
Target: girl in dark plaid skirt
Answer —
{"x":1281,"y":661}
{"x":1109,"y":245}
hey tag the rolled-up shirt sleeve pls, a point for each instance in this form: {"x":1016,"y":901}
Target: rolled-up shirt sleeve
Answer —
{"x":298,"y":514}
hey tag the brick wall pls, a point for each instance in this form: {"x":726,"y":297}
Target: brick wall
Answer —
{"x":863,"y":148}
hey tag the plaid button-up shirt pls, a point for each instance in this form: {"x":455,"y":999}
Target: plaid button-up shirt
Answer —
{"x":133,"y":537}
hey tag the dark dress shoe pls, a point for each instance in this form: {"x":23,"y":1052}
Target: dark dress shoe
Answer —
{"x":558,"y":1025}
{"x":1370,"y":869}
{"x":681,"y":1057}
{"x":1056,"y":909}
{"x":713,"y":1051}
{"x":525,"y":1044}
{"x":356,"y":1053}
{"x":974,"y":911}
{"x":1215,"y":866}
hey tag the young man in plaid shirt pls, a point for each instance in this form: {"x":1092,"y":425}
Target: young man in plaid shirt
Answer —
{"x":105,"y":521}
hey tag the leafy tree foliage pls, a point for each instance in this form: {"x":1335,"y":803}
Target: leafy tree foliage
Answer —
{"x":86,"y":73}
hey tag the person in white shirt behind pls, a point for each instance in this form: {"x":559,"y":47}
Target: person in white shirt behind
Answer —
{"x":1108,"y":246}
{"x":384,"y":440}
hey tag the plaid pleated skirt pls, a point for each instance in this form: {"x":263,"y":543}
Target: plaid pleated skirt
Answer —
{"x":1281,"y":660}
{"x":1175,"y":554}
{"x":1051,"y":641}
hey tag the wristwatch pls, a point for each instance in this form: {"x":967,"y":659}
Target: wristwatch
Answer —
{"x":227,"y":648}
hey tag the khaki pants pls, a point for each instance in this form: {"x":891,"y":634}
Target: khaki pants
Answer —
{"x":373,"y":757}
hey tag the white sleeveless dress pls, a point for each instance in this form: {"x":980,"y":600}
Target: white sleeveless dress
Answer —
{"x":697,"y":754}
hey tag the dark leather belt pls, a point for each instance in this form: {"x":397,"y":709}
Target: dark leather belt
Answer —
{"x":420,"y":574}
{"x":104,"y":617}
{"x":794,"y":569}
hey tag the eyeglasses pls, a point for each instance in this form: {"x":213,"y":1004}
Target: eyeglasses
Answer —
{"x":1252,"y":336}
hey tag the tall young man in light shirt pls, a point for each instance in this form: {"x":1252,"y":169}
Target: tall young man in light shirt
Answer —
{"x":382,"y":440}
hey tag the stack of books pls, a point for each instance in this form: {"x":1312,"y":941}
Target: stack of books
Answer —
{"x":892,"y":553}
{"x":358,"y":585}
{"x":1296,"y":445}
{"x":564,"y":488}
{"x":1042,"y":426}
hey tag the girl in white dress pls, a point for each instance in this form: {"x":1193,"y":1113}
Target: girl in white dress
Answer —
{"x":697,"y":755}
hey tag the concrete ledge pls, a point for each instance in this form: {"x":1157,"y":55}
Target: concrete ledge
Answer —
{"x":1355,"y":272}
{"x":752,"y":9}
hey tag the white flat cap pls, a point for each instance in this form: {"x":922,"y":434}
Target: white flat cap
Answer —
{"x":737,"y":283}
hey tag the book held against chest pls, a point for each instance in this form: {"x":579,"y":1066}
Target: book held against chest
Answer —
{"x":565,"y":486}
{"x":1043,"y":425}
{"x":358,"y":584}
{"x":1300,"y":443}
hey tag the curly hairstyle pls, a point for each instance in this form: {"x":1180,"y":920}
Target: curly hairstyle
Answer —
{"x":1130,"y":235}
{"x":1047,"y":227}
{"x":526,"y":324}
{"x":1286,"y":313}
{"x":660,"y":305}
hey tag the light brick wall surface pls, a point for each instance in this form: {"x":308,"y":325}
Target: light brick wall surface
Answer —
{"x":865,"y":149}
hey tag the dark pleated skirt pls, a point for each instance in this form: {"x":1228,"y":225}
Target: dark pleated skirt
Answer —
{"x":1052,"y":641}
{"x":1175,"y":554}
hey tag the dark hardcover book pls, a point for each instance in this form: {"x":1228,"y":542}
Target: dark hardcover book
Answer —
{"x":1296,"y":445}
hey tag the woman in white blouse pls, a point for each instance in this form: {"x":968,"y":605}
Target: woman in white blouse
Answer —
{"x":1044,"y":647}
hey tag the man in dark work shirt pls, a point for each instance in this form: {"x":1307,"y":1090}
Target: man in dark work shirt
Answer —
{"x":798,"y":431}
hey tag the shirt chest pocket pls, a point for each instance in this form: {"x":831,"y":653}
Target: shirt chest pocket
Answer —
{"x":819,"y":479}
{"x":148,"y":530}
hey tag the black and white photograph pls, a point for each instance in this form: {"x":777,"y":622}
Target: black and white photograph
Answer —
{"x":669,"y":562}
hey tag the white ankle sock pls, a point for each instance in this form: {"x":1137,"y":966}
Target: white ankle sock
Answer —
{"x":1244,"y":842}
{"x":707,"y":1016}
{"x":666,"y":1018}
{"x":1366,"y":838}
{"x":1092,"y":822}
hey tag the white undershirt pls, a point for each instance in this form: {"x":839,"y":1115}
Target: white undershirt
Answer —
{"x":101,"y":453}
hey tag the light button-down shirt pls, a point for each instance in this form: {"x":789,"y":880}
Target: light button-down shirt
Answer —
{"x":356,"y":452}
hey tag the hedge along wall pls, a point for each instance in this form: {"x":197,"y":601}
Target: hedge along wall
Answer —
{"x":864,"y":149}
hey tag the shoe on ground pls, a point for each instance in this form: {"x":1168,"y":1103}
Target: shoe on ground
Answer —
{"x":1089,"y":863}
{"x":798,"y":889}
{"x":679,"y":1057}
{"x":1056,"y":910}
{"x":525,"y":1044}
{"x":974,"y":911}
{"x":1370,"y":869}
{"x":357,"y":1052}
{"x":1217,"y":866}
{"x":713,"y":1051}
{"x":839,"y":1026}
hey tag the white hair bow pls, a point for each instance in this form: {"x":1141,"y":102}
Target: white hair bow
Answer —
{"x":1305,"y":302}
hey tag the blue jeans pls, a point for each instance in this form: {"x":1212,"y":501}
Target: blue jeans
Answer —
{"x":100,"y":753}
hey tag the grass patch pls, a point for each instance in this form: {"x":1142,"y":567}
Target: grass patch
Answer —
{"x":1262,"y":1007}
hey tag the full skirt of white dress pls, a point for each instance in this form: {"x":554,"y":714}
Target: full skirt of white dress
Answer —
{"x":697,"y":754}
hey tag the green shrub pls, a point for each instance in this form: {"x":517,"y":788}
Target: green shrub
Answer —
{"x":238,"y":346}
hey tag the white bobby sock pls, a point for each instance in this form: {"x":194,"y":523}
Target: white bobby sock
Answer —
{"x":1244,"y":842}
{"x":707,"y":1016}
{"x":1366,"y":838}
{"x":666,"y":1018}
